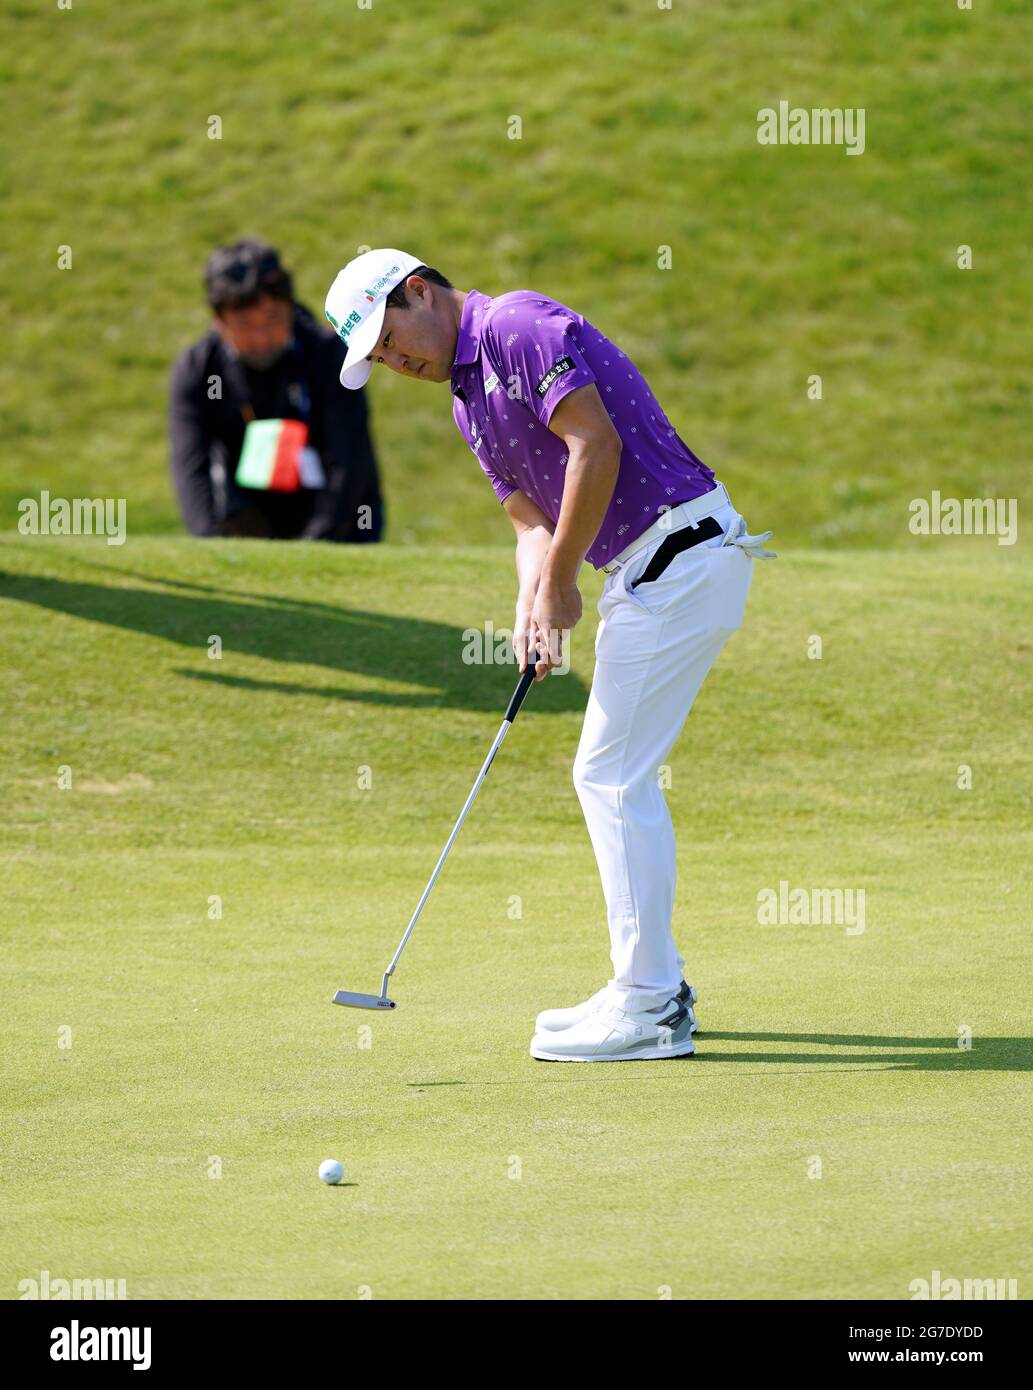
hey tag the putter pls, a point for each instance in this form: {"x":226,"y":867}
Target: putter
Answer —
{"x":381,"y":1001}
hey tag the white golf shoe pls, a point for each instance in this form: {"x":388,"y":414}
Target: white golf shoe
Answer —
{"x":611,"y":1034}
{"x":554,"y":1020}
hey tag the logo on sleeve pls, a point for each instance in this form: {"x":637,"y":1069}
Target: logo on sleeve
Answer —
{"x":565,"y":364}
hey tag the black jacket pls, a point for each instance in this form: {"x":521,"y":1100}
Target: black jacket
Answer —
{"x":206,"y":436}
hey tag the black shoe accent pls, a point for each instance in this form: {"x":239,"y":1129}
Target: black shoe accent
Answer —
{"x":674,"y":1020}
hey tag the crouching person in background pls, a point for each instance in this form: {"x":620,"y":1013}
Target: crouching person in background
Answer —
{"x":263,"y":440}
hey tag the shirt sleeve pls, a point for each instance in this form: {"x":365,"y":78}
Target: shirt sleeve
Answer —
{"x":502,"y":488}
{"x":533,"y":345}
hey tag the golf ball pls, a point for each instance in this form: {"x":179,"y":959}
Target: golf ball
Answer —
{"x":330,"y":1170}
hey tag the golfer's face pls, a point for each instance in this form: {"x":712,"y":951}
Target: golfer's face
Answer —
{"x":410,"y":344}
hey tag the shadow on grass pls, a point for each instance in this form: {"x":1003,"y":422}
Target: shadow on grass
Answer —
{"x":901,"y":1053}
{"x":195,"y":587}
{"x":886,"y":1054}
{"x":413,"y":651}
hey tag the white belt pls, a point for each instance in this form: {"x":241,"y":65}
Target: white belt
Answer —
{"x":691,"y":514}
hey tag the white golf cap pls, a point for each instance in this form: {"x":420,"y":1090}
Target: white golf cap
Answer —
{"x":355,"y":306}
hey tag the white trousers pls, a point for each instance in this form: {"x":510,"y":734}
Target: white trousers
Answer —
{"x":654,"y":647}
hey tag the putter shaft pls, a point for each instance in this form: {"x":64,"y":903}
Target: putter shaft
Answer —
{"x":352,"y":1000}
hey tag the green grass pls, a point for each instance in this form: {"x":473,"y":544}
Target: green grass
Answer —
{"x":345,"y":127}
{"x":194,"y":1038}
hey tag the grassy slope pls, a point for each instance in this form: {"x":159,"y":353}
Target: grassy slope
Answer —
{"x":194,"y":1038}
{"x":345,"y":128}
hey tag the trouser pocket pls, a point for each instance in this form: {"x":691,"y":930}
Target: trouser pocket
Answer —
{"x":671,"y":546}
{"x":680,"y":584}
{"x":730,"y":578}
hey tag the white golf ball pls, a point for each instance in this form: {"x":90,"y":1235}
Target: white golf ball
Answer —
{"x":330,"y":1170}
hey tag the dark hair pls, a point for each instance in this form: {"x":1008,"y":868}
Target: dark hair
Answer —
{"x":397,"y":300}
{"x":240,"y":275}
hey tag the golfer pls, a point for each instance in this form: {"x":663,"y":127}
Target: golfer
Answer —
{"x":587,"y":466}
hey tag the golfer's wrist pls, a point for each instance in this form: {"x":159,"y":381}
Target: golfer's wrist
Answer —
{"x":560,"y":570}
{"x":559,"y":576}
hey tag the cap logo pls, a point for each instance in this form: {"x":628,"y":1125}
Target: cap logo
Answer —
{"x":345,"y":328}
{"x":387,"y":279}
{"x":370,"y":295}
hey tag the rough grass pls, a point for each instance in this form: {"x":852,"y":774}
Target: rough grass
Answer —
{"x":345,"y":127}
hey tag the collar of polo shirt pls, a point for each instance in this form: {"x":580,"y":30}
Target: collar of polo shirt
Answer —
{"x":468,"y":341}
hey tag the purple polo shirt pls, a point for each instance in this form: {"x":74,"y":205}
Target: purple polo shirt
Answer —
{"x":517,"y":356}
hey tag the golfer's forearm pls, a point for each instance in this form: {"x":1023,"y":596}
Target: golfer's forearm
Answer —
{"x":532,"y":549}
{"x":591,"y":476}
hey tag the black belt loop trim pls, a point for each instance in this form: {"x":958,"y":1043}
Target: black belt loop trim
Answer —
{"x":684,"y":539}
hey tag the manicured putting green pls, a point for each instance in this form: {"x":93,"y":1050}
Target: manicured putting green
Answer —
{"x":244,"y":835}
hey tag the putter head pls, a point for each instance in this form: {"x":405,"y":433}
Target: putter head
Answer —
{"x":362,"y":1001}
